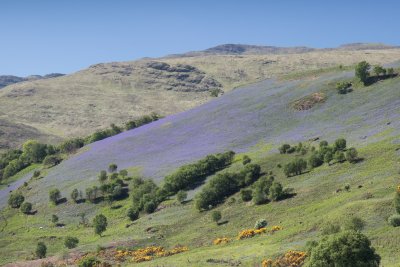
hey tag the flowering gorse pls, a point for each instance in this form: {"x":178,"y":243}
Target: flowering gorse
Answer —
{"x":290,"y":259}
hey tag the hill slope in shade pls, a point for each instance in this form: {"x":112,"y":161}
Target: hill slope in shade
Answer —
{"x":91,"y":99}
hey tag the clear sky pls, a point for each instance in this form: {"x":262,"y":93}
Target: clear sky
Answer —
{"x":39,"y":36}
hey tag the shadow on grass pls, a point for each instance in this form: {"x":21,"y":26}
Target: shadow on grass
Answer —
{"x":223,"y":222}
{"x":374,"y":79}
{"x":61,"y":201}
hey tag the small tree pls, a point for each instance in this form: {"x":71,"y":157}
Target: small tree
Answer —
{"x":54,"y":219}
{"x":246,"y":160}
{"x":339,"y":156}
{"x":112,"y":167}
{"x":362,"y":71}
{"x":15,"y":200}
{"x":26,"y":208}
{"x":150,"y":206}
{"x":347,"y":248}
{"x":379,"y":70}
{"x":102,"y":176}
{"x":54,"y":195}
{"x":261,"y":224}
{"x":181,"y":196}
{"x":71,"y":242}
{"x":41,"y":250}
{"x":216,"y":216}
{"x":246,"y":194}
{"x":123,"y":173}
{"x":328,"y":157}
{"x":133,"y":213}
{"x":355,"y":224}
{"x":394,"y":220}
{"x":75,"y":195}
{"x":352,"y":155}
{"x":340,"y":144}
{"x":276,"y":191}
{"x":390,"y":71}
{"x":100,"y":224}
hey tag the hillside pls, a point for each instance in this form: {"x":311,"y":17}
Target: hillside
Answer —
{"x":93,"y":98}
{"x":255,"y":120}
{"x":6,"y":80}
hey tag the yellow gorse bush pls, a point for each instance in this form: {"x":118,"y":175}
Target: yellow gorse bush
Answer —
{"x":148,"y":253}
{"x":221,"y":240}
{"x":252,"y":232}
{"x":398,"y":189}
{"x":290,"y":259}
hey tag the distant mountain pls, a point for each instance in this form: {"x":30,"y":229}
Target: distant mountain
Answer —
{"x":10,"y":79}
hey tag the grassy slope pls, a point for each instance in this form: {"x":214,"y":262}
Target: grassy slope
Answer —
{"x":315,"y":204}
{"x":77,"y":104}
{"x":301,"y":216}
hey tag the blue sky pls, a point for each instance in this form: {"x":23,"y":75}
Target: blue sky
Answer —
{"x":39,"y":37}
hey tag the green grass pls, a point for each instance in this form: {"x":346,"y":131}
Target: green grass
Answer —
{"x":19,"y":175}
{"x":316,"y":204}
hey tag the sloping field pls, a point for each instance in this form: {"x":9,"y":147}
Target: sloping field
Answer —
{"x":258,"y":114}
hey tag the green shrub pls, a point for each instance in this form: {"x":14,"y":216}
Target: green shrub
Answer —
{"x":100,"y":224}
{"x":261,"y":224}
{"x":216,"y":216}
{"x":296,"y":167}
{"x":133,"y":213}
{"x":15,"y":200}
{"x":284,"y":148}
{"x":112,"y":167}
{"x":246,"y":194}
{"x":71,"y":242}
{"x":181,"y":196}
{"x":351,"y":155}
{"x":52,"y":160}
{"x":340,"y":144}
{"x":339,"y":156}
{"x":347,"y":248}
{"x":246,"y":160}
{"x":89,"y":261}
{"x":26,"y":208}
{"x":54,"y":218}
{"x":150,"y":207}
{"x":54,"y":195}
{"x":330,"y":228}
{"x":75,"y":195}
{"x":362,"y":71}
{"x":394,"y":220}
{"x":355,"y":224}
{"x":276,"y":191}
{"x":41,"y":250}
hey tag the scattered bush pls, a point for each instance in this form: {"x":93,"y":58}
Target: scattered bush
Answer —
{"x":54,"y":195}
{"x":133,"y":214}
{"x":351,"y":155}
{"x":216,"y":216}
{"x":355,"y":224}
{"x":362,"y":71}
{"x":100,"y":224}
{"x":75,"y":195}
{"x":246,"y":194}
{"x":52,"y":160}
{"x":26,"y":208}
{"x":192,"y":174}
{"x":246,"y":160}
{"x":394,"y":220}
{"x":296,"y":167}
{"x":54,"y":218}
{"x":71,"y":242}
{"x":261,"y":224}
{"x":150,"y":207}
{"x":181,"y":196}
{"x":276,"y":191}
{"x":15,"y":200}
{"x":103,"y":176}
{"x":284,"y":148}
{"x":340,"y":144}
{"x":330,"y":228}
{"x":112,"y":167}
{"x":41,"y":250}
{"x":339,"y":156}
{"x":88,"y":261}
{"x":343,"y":87}
{"x":347,"y":248}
